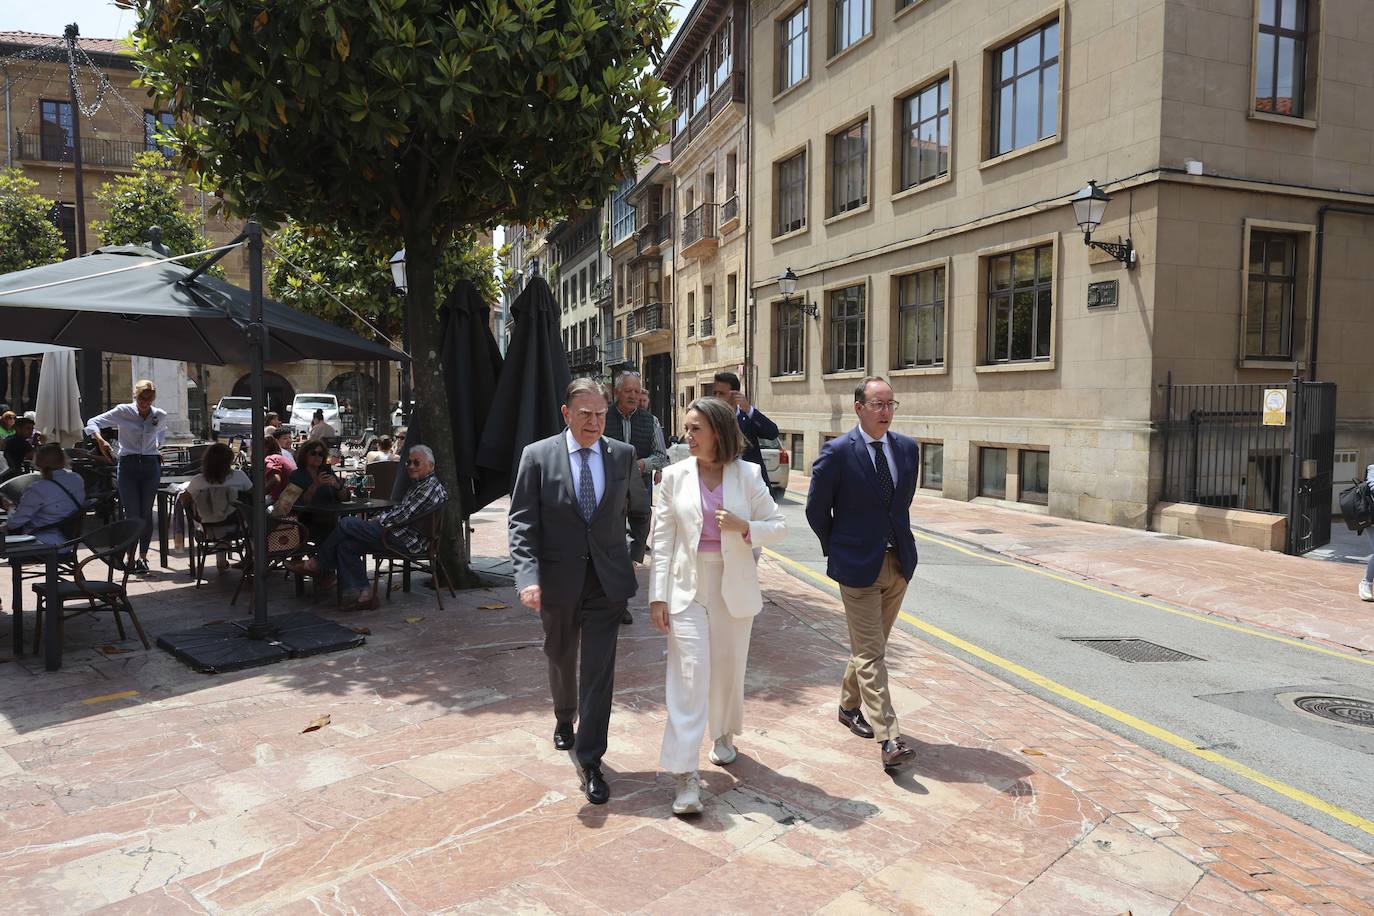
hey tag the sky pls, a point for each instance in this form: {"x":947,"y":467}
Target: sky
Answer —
{"x":97,"y":18}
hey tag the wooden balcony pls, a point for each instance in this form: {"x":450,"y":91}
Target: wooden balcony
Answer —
{"x":655,"y":235}
{"x":649,"y":321}
{"x":728,"y":96}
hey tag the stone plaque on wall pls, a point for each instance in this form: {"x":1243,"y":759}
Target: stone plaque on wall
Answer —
{"x":1102,"y":294}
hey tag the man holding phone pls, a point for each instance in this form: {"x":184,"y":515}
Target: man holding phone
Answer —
{"x":752,"y":423}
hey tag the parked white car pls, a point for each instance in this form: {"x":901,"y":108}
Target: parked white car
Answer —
{"x":303,"y":409}
{"x":232,"y":418}
{"x":775,"y":459}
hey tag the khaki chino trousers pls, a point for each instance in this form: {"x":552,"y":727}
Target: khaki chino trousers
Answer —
{"x":871,"y":611}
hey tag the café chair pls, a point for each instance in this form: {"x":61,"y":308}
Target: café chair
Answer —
{"x":383,"y":476}
{"x":428,"y":562}
{"x":286,"y":541}
{"x":229,"y":535}
{"x":111,"y":545}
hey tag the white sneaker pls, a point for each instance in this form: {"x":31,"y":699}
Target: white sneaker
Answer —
{"x":1366,"y":591}
{"x":723,"y":752}
{"x":688,"y":799}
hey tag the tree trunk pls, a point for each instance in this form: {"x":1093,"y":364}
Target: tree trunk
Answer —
{"x":431,"y":397}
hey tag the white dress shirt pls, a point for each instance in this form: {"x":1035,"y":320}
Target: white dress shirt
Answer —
{"x":594,"y":459}
{"x":887,"y":452}
{"x":137,"y":436}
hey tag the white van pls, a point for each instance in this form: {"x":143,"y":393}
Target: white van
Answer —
{"x":303,"y":410}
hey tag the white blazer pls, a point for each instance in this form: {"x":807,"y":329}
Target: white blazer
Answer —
{"x":677,"y":529}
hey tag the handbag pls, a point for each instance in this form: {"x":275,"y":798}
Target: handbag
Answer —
{"x":1357,"y":507}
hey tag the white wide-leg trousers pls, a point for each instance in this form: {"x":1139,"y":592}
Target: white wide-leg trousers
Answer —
{"x":707,"y":652}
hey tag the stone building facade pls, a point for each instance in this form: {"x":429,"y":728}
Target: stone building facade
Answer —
{"x":913,"y":164}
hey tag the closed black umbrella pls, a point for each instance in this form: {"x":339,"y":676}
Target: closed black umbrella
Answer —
{"x":533,"y":380}
{"x":472,"y":369}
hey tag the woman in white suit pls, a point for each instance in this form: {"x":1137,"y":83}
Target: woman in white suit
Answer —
{"x":712,"y":512}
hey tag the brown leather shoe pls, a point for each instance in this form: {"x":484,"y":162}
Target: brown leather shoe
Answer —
{"x":853,"y":719}
{"x":896,"y":752}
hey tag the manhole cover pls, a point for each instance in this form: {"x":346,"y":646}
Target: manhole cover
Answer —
{"x":1136,"y":650}
{"x":1345,"y":710}
{"x":983,"y":531}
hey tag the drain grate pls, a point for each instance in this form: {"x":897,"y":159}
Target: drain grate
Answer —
{"x":1136,"y":650}
{"x":983,"y":531}
{"x":1345,"y":710}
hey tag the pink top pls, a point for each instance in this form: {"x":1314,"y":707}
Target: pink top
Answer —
{"x":710,"y":528}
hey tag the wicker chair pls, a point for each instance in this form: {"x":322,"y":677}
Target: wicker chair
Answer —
{"x":427,"y":562}
{"x":111,"y":545}
{"x":286,"y":541}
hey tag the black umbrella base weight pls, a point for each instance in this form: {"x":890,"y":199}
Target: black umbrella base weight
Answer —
{"x":218,"y":648}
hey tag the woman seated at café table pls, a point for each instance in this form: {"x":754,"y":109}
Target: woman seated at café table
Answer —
{"x":318,"y":486}
{"x":381,"y":451}
{"x":51,"y":500}
{"x":215,"y":493}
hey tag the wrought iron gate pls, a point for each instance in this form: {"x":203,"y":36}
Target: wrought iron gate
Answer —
{"x":1218,"y":452}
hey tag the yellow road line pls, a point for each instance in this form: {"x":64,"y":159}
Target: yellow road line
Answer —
{"x":122,"y":695}
{"x":1291,"y":793}
{"x":1191,"y":615}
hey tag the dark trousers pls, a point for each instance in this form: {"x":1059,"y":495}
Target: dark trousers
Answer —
{"x":346,"y":550}
{"x":138,"y":480}
{"x":593,"y":626}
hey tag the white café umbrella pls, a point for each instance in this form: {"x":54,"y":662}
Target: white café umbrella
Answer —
{"x":58,"y":410}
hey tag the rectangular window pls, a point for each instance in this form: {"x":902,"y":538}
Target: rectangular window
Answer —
{"x":848,"y":320}
{"x":1270,"y":294}
{"x":788,"y":340}
{"x":622,"y":214}
{"x":921,"y":319}
{"x":700,"y":89}
{"x":853,"y":19}
{"x":1281,"y":57}
{"x":63,"y":216}
{"x":55,"y":137}
{"x":708,"y":311}
{"x":794,"y":47}
{"x":798,"y":450}
{"x":1034,"y":477}
{"x":925,"y":127}
{"x":732,"y":295}
{"x":992,"y":472}
{"x":1025,"y":90}
{"x":724,"y":60}
{"x":680,"y":103}
{"x":932,"y":465}
{"x":849,"y":168}
{"x":155,"y":122}
{"x":791,"y":194}
{"x":691,"y":314}
{"x":1020,"y":305}
{"x":731,"y":175}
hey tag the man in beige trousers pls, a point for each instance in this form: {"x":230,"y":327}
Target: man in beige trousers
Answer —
{"x":859,"y":506}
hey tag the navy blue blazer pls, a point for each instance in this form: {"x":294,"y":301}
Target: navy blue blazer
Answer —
{"x":755,"y":426}
{"x":843,"y":507}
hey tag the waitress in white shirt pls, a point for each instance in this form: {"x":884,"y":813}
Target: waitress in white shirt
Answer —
{"x":142,"y":427}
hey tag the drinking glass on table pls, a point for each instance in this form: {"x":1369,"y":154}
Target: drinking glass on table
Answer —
{"x":369,"y":484}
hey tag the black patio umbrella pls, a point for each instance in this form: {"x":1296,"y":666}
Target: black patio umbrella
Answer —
{"x":472,"y":368}
{"x":130,"y":299}
{"x":532,"y":383}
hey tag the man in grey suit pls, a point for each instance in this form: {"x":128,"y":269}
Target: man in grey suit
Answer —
{"x":573,"y":495}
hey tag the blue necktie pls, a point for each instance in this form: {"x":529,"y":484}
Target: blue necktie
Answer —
{"x":586,"y":490}
{"x":886,"y":488}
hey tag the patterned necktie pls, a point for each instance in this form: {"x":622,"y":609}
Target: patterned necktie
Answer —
{"x":885,"y":486}
{"x":586,"y":489}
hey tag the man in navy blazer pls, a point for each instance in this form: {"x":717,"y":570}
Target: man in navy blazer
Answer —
{"x":752,"y":422}
{"x":859,"y":506}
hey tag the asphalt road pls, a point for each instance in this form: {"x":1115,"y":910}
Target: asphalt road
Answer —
{"x":1235,"y":699}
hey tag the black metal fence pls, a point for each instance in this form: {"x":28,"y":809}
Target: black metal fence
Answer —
{"x":1218,"y":451}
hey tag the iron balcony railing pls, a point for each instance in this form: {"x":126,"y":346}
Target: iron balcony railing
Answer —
{"x":602,"y":290}
{"x":615,"y":351}
{"x":708,"y":326}
{"x":645,"y":319}
{"x":699,"y":224}
{"x":584,"y":358}
{"x":730,"y":209}
{"x":97,"y":151}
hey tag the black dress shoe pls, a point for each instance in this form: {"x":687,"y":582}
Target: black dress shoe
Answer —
{"x":896,"y":752}
{"x":853,"y":719}
{"x":563,"y":737}
{"x":626,"y":619}
{"x":594,"y":786}
{"x":140,"y":567}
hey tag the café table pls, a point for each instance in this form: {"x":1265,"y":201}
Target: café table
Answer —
{"x":362,"y":507}
{"x":166,"y":493}
{"x":16,"y":552}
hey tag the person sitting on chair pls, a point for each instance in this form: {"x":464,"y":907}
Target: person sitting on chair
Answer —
{"x":50,"y":501}
{"x":381,"y":452}
{"x":214,"y":493}
{"x":354,"y":538}
{"x":20,"y":447}
{"x":317,"y":485}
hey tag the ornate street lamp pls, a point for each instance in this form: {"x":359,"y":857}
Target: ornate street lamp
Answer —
{"x":397,"y":263}
{"x":787,"y":285}
{"x":1089,"y":207}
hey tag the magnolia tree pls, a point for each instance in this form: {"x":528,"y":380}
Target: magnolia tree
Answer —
{"x":28,"y":237}
{"x":408,"y":121}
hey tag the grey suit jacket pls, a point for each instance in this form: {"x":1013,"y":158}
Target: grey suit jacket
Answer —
{"x":550,"y":543}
